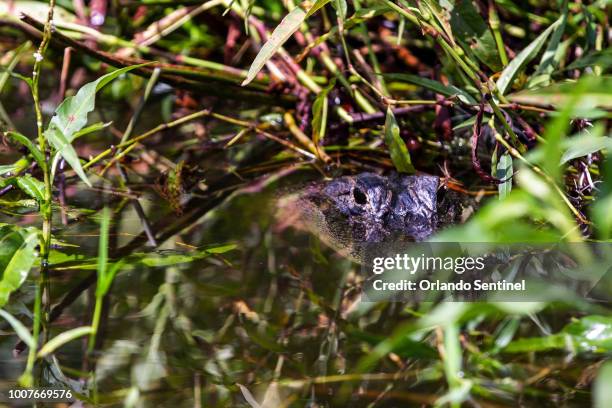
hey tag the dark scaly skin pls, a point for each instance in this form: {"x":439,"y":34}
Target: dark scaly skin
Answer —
{"x":367,"y":208}
{"x":379,"y":208}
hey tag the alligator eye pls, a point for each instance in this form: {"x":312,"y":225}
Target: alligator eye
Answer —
{"x":359,"y":196}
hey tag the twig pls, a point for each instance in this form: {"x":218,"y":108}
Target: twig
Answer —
{"x":155,"y":130}
{"x":230,"y":90}
{"x":126,"y":135}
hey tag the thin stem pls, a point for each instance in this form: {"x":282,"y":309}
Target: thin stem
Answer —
{"x":504,"y":122}
{"x":516,"y":154}
{"x":42,"y":288}
{"x":155,"y":130}
{"x":495,"y":27}
{"x":95,"y":323}
{"x":27,"y":379}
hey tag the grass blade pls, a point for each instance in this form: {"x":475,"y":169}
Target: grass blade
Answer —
{"x":287,"y":27}
{"x":551,"y":55}
{"x":17,"y":256}
{"x":31,"y":186}
{"x":22,"y":332}
{"x":435,"y":86}
{"x":397,"y":148}
{"x":523,"y":58}
{"x":61,"y":339}
{"x":472,"y":32}
{"x":504,"y":171}
{"x":602,"y":392}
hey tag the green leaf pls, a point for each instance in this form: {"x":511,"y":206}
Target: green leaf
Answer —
{"x":36,"y":9}
{"x":13,"y":56}
{"x":15,"y":168}
{"x":18,"y":137}
{"x":57,"y":139}
{"x":602,"y":216}
{"x":397,"y":148}
{"x":17,"y":256}
{"x":22,"y":332}
{"x":504,"y":171}
{"x":105,"y":274}
{"x":602,"y":392}
{"x":264,"y":339}
{"x":435,"y":86}
{"x":63,"y":338}
{"x":523,"y":58}
{"x":31,"y":186}
{"x":104,"y":284}
{"x":71,"y":116}
{"x":161,"y":260}
{"x":592,"y":334}
{"x":90,"y":129}
{"x":319,"y":114}
{"x":586,"y":143}
{"x":556,"y":130}
{"x":341,"y":8}
{"x":600,"y":58}
{"x":552,"y":54}
{"x":452,"y":354}
{"x":596,"y":94}
{"x":281,"y":34}
{"x":103,"y":245}
{"x":473,"y":33}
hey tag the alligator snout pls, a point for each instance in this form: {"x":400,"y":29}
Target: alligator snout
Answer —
{"x":367,"y":208}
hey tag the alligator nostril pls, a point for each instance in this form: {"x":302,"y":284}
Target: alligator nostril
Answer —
{"x":360,"y":197}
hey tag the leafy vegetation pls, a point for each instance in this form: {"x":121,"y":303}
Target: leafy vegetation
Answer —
{"x":145,"y":144}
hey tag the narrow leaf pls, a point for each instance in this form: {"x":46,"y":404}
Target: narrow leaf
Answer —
{"x":22,"y":332}
{"x":319,"y":114}
{"x":473,"y":33}
{"x":504,"y":171}
{"x":341,"y":8}
{"x":550,"y":56}
{"x":523,"y":58}
{"x":8,"y":170}
{"x":90,"y":129}
{"x":602,"y":392}
{"x":103,"y":245}
{"x":18,"y":137}
{"x":105,"y":283}
{"x":432,"y":85}
{"x":588,"y":142}
{"x":250,"y":399}
{"x":596,"y":94}
{"x":63,"y":338}
{"x":31,"y":186}
{"x":17,"y":256}
{"x":600,"y":58}
{"x":57,"y":139}
{"x":280,"y":35}
{"x":397,"y":148}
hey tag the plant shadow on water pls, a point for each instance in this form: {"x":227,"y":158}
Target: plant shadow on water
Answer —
{"x":271,"y":316}
{"x":152,"y":251}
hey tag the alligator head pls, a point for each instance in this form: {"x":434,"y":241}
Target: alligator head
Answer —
{"x":368,"y":208}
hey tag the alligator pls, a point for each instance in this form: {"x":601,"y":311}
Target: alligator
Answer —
{"x":371,"y":208}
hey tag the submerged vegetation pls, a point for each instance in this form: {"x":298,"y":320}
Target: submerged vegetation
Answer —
{"x":144,"y":144}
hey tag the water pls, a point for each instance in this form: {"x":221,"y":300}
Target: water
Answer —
{"x":273,"y":316}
